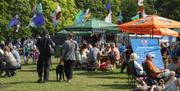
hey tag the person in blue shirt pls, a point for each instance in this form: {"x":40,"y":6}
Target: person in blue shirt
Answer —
{"x":122,"y":48}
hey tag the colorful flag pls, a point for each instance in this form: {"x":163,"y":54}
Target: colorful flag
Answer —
{"x":79,"y":17}
{"x":56,"y":15}
{"x":109,"y":17}
{"x":58,"y":12}
{"x":87,"y":15}
{"x":40,"y":9}
{"x":13,"y":22}
{"x":135,"y":17}
{"x":108,"y":6}
{"x":120,"y":18}
{"x":39,"y":20}
{"x":140,"y":2}
{"x":141,"y":8}
{"x":87,"y":11}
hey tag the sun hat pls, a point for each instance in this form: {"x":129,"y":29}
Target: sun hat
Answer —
{"x":133,"y":57}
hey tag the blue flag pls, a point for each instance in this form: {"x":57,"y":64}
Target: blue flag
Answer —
{"x":13,"y":22}
{"x":39,"y":20}
{"x":108,"y":6}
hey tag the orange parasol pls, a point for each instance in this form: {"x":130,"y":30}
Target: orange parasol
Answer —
{"x":152,"y":24}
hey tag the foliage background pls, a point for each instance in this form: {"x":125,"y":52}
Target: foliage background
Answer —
{"x":9,"y":8}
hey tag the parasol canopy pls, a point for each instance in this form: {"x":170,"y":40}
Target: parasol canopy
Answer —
{"x":152,"y":24}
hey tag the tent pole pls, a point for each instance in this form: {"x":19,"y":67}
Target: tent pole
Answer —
{"x":152,"y":32}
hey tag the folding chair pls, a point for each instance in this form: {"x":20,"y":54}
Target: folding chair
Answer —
{"x":131,"y":73}
{"x":151,"y":80}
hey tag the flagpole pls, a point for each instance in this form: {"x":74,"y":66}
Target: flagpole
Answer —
{"x":55,"y":27}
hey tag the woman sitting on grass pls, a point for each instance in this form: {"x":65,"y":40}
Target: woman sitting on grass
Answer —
{"x":9,"y":64}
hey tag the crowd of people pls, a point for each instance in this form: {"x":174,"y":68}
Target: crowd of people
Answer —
{"x":92,"y":56}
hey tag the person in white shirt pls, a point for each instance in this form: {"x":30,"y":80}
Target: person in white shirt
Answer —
{"x":138,"y":67}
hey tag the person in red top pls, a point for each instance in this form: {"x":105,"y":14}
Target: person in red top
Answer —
{"x":156,"y":72}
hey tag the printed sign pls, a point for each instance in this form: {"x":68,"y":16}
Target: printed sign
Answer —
{"x":144,"y":46}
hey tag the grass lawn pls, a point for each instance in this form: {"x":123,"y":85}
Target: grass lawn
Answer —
{"x":25,"y":80}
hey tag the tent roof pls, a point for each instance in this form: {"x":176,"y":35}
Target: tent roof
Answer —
{"x":152,"y":24}
{"x":81,"y":33}
{"x":92,"y":25}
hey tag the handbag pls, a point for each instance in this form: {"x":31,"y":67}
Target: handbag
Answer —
{"x":51,"y":50}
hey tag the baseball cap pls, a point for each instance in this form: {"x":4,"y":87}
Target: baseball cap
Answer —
{"x":150,"y":55}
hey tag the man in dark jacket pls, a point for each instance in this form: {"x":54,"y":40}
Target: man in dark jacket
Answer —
{"x":44,"y":44}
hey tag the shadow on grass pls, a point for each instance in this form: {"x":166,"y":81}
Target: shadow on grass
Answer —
{"x":34,"y":70}
{"x":34,"y":64}
{"x":109,"y":77}
{"x":96,"y":73}
{"x":22,"y":82}
{"x":116,"y":86}
{"x":26,"y":82}
{"x":28,"y":64}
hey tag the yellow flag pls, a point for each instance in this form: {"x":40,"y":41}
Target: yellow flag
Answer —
{"x":87,"y":16}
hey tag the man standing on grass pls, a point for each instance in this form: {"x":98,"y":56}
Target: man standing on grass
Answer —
{"x":70,"y":49}
{"x":44,"y":60}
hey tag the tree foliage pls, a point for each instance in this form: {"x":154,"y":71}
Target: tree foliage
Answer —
{"x":168,"y":8}
{"x":9,"y":8}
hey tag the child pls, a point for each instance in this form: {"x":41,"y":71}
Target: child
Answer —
{"x":35,"y":54}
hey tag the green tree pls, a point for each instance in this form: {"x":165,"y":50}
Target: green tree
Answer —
{"x":9,"y":8}
{"x":168,"y":8}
